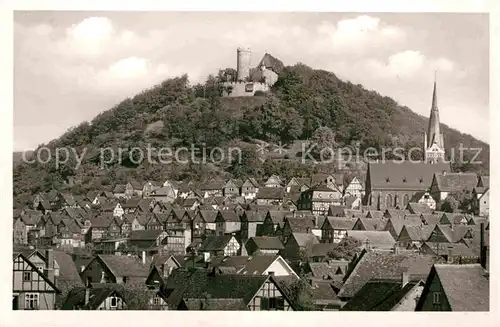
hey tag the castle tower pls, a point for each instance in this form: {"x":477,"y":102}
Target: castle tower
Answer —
{"x":433,"y":139}
{"x":243,"y":63}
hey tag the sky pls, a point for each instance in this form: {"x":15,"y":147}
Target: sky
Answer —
{"x":70,"y":66}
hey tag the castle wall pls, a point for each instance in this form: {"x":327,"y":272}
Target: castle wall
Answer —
{"x":270,"y":76}
{"x":242,"y":89}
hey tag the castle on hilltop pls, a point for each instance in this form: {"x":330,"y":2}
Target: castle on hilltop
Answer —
{"x":250,"y":80}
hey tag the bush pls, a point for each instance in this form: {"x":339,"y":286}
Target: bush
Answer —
{"x":259,"y":93}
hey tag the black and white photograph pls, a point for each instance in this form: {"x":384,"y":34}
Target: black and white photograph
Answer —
{"x":251,"y":161}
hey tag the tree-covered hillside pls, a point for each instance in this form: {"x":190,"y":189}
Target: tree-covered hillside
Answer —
{"x":175,"y":113}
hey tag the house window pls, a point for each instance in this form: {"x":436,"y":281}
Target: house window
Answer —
{"x":40,"y":267}
{"x":114,"y":302}
{"x":157,"y":300}
{"x":436,"y":298}
{"x":32,"y":301}
{"x":27,"y":276}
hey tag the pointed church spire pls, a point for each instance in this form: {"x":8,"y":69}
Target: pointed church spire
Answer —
{"x":434,"y":94}
{"x":434,"y":137}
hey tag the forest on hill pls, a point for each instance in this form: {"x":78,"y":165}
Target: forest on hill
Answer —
{"x":304,"y":104}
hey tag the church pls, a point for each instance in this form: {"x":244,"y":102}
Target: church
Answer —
{"x":392,"y":184}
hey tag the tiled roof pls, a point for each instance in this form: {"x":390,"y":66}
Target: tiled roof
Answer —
{"x":300,"y":225}
{"x":377,"y":264}
{"x":375,"y":224}
{"x":398,"y":223}
{"x":253,"y":216}
{"x":455,"y":182}
{"x":336,"y":211}
{"x":417,"y":232}
{"x":322,"y":249}
{"x":484,"y":181}
{"x":380,"y":295}
{"x":271,"y":193}
{"x":403,"y":176}
{"x":376,"y":239}
{"x":277,"y":216}
{"x":144,"y":235}
{"x":76,"y":297}
{"x":199,"y":284}
{"x":215,"y":243}
{"x":375,"y":214}
{"x":124,"y":266}
{"x":304,"y":239}
{"x":229,"y":215}
{"x":67,"y":269}
{"x":208,"y":215}
{"x":267,"y":242}
{"x":120,"y":188}
{"x":418,"y":208}
{"x":323,"y":294}
{"x":341,"y":223}
{"x":257,"y":265}
{"x":271,"y":63}
{"x":466,"y":286}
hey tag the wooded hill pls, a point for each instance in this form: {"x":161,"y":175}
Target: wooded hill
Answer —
{"x":175,"y":113}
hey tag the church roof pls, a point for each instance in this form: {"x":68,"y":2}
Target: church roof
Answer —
{"x":403,"y":176}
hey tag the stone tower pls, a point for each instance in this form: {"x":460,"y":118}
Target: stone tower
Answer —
{"x":433,"y":139}
{"x":243,"y":63}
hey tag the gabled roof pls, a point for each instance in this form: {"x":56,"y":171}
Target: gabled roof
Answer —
{"x":376,"y":264}
{"x":466,"y":287}
{"x":44,"y":277}
{"x":253,"y":216}
{"x":198,"y":284}
{"x":403,"y":176}
{"x":267,"y":242}
{"x":416,"y":232}
{"x":67,"y":269}
{"x":300,"y":225}
{"x":215,"y":243}
{"x":144,"y":235}
{"x":304,"y":239}
{"x":340,"y":223}
{"x":418,"y":208}
{"x":97,"y":295}
{"x":484,"y":181}
{"x":208,"y":215}
{"x":376,"y":239}
{"x":455,"y":182}
{"x":374,"y":224}
{"x":271,"y":63}
{"x":277,"y":216}
{"x":123,"y":266}
{"x":380,"y":295}
{"x":120,"y":188}
{"x":229,"y":216}
{"x":271,"y":193}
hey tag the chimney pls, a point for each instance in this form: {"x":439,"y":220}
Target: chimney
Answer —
{"x":449,"y":259}
{"x":87,"y":291}
{"x":50,"y":270}
{"x":144,"y":257}
{"x":482,"y":248}
{"x":395,"y":249}
{"x":405,"y":277}
{"x":444,"y":172}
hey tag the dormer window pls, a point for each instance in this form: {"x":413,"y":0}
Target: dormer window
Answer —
{"x":421,"y":180}
{"x":387,"y":180}
{"x":404,"y":180}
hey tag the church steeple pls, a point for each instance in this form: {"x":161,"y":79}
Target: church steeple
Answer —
{"x":434,"y":142}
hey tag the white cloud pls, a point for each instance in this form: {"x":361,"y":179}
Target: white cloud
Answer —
{"x":90,"y":36}
{"x":357,"y":35}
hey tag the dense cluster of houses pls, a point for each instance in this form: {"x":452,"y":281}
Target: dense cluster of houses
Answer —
{"x":244,"y":244}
